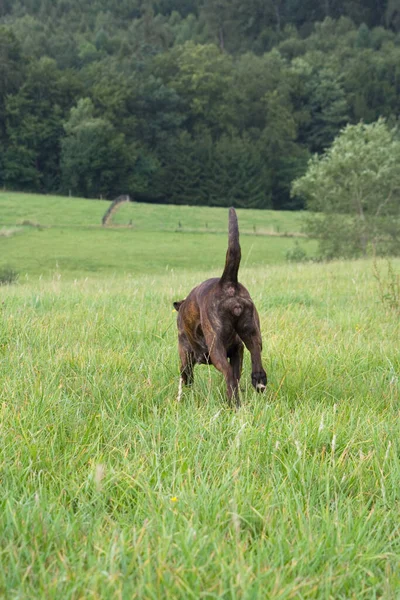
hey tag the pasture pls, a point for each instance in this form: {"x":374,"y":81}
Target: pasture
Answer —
{"x":111,"y":489}
{"x":44,"y":235}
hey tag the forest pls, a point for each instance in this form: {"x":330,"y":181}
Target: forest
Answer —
{"x":202,"y":102}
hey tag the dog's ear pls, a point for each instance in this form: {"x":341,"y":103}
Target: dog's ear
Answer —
{"x":178,"y":304}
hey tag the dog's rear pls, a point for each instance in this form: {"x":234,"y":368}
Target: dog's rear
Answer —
{"x":215,"y":319}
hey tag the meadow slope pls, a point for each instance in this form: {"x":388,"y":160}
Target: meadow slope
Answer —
{"x":110,"y":488}
{"x":44,"y":235}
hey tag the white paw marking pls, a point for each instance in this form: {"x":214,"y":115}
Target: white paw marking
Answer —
{"x":260,"y":386}
{"x":180,"y":390}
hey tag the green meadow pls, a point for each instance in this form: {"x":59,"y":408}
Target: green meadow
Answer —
{"x":44,"y":235}
{"x":113,"y":489}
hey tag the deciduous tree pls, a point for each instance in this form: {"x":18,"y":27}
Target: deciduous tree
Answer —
{"x":95,"y":159}
{"x":354,"y":191}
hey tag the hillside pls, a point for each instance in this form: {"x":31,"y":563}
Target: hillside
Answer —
{"x":187,"y":101}
{"x":44,"y":235}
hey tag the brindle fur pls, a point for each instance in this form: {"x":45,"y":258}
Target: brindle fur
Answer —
{"x":216,"y":320}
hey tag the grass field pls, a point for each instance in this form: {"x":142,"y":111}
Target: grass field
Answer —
{"x":63,"y":212}
{"x":44,"y":235}
{"x":110,"y":489}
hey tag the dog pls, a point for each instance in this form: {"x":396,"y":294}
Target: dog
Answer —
{"x":216,"y":320}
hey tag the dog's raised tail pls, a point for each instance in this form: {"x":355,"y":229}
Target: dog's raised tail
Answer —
{"x":233,"y":255}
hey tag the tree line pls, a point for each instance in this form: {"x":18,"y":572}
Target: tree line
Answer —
{"x":212,"y":102}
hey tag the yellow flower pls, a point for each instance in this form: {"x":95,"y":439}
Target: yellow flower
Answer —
{"x":174,"y":499}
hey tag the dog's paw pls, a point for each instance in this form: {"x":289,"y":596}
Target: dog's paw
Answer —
{"x":259,"y":381}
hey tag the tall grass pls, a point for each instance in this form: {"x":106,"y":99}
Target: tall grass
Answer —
{"x":111,"y":489}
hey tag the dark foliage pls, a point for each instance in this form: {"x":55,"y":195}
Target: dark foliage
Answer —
{"x":187,"y":101}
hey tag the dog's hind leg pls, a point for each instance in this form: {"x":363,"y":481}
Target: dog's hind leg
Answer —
{"x":236,"y":361}
{"x":186,"y":369}
{"x":258,"y":375}
{"x":252,"y":339}
{"x":186,"y":378}
{"x":219,"y":359}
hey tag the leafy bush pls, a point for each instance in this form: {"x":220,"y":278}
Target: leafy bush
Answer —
{"x":388,"y":286}
{"x":296,"y":254}
{"x":352,"y":191}
{"x":8,"y":275}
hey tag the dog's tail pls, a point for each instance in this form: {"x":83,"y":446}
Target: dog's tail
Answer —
{"x":233,"y":255}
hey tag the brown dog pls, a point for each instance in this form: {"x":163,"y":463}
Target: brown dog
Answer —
{"x":214,"y":321}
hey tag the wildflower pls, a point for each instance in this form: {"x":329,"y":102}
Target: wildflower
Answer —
{"x":174,"y":499}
